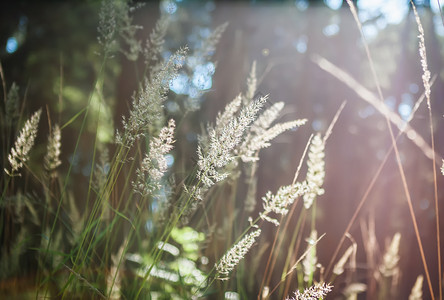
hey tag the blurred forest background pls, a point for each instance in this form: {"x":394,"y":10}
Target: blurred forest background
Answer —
{"x":40,"y":40}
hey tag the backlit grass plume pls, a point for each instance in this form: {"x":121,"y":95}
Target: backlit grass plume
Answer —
{"x":442,"y":167}
{"x":222,"y":141}
{"x":147,"y":106}
{"x":389,"y":265}
{"x":416,"y":293}
{"x":154,"y":44}
{"x":232,"y":258}
{"x":230,"y":111}
{"x":154,"y":165}
{"x":311,"y":259}
{"x":20,"y":152}
{"x":107,"y":25}
{"x":261,"y":134}
{"x":52,"y":158}
{"x":267,"y":118}
{"x":279,"y":202}
{"x":316,"y":170}
{"x":315,"y":292}
{"x":422,"y":53}
{"x":115,"y":21}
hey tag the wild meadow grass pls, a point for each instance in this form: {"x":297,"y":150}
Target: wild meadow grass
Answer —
{"x":150,"y":223}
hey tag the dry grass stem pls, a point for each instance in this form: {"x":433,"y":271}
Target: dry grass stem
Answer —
{"x":426,"y":82}
{"x":368,"y":96}
{"x":333,"y":122}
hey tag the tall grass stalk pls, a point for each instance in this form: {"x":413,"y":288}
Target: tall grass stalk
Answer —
{"x":267,"y":272}
{"x":296,"y":264}
{"x":338,"y":73}
{"x":395,"y":147}
{"x":427,"y":88}
{"x":298,"y":229}
{"x":293,"y":259}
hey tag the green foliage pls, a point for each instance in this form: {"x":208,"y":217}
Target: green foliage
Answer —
{"x":189,"y":239}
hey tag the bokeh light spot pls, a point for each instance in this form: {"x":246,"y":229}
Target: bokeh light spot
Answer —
{"x":302,"y":5}
{"x":333,"y":4}
{"x":11,"y":45}
{"x":169,"y":160}
{"x":331,"y":30}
